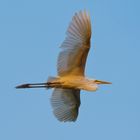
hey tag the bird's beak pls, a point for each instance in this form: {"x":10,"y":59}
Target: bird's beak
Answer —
{"x":101,"y":82}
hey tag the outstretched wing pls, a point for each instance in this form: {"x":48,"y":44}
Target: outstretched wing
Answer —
{"x":75,"y":47}
{"x":65,"y":103}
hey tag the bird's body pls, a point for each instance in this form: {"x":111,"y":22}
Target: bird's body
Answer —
{"x":72,"y":82}
{"x":71,"y":70}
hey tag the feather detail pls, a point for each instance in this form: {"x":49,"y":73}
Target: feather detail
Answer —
{"x":75,"y":47}
{"x":65,"y":103}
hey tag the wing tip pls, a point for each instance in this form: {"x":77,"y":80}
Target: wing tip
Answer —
{"x":80,"y":26}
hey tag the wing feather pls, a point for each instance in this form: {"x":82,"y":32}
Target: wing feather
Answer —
{"x":72,"y":58}
{"x":65,"y":103}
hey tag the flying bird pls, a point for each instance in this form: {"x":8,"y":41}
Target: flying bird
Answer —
{"x":65,"y":99}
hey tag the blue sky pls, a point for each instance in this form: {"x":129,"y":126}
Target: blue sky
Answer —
{"x":31,"y":32}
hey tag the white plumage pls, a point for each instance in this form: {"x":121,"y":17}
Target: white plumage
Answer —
{"x":65,"y":103}
{"x":75,"y":47}
{"x":71,"y":63}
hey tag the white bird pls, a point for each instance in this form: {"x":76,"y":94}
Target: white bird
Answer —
{"x":71,"y":79}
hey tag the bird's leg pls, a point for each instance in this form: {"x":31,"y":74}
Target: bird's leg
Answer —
{"x":40,"y":85}
{"x":34,"y":85}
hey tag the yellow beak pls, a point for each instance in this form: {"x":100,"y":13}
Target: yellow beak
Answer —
{"x":101,"y":82}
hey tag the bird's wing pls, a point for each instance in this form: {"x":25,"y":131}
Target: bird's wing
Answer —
{"x":75,"y":47}
{"x":65,"y":103}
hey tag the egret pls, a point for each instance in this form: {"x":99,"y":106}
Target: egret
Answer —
{"x":65,"y":99}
